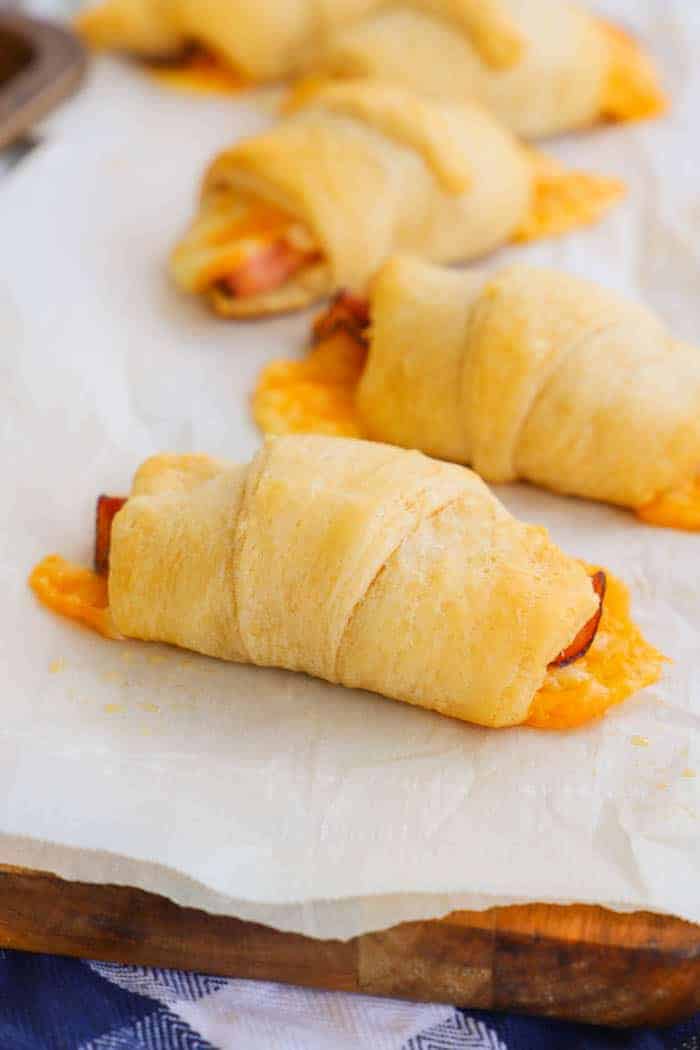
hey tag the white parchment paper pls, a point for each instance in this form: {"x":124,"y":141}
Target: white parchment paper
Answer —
{"x":266,"y":794}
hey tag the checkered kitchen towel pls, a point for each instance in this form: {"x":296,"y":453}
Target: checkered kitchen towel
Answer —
{"x":49,"y":1003}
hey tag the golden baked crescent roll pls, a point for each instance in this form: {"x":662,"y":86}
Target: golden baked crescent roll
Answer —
{"x":572,"y":71}
{"x":362,"y":564}
{"x":529,"y":374}
{"x":277,"y":37}
{"x":360,"y":171}
{"x":542,"y":66}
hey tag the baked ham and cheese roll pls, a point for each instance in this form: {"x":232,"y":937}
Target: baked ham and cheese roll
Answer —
{"x":541,"y":66}
{"x":362,"y":564}
{"x":360,"y":171}
{"x":528,"y":374}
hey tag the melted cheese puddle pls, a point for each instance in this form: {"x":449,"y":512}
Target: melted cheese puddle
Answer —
{"x":228,"y":232}
{"x":316,"y":395}
{"x":632,"y":90}
{"x":677,"y":509}
{"x":200,"y":73}
{"x":565,"y":200}
{"x":74,"y":592}
{"x":618,"y":664}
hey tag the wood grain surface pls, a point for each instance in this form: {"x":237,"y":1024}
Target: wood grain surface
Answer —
{"x":577,"y":963}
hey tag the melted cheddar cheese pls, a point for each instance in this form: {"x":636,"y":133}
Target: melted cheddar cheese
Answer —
{"x":632,"y":90}
{"x":200,"y":73}
{"x":618,"y":664}
{"x":677,"y":509}
{"x":74,"y":592}
{"x":316,"y":395}
{"x":565,"y":200}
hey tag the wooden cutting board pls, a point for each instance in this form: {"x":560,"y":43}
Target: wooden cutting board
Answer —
{"x":577,"y":963}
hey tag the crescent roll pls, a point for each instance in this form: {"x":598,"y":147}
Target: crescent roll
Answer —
{"x":360,"y":171}
{"x":366,"y":565}
{"x":529,"y":374}
{"x":541,"y":66}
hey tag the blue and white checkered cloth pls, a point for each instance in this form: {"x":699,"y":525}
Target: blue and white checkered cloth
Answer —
{"x":49,"y":1003}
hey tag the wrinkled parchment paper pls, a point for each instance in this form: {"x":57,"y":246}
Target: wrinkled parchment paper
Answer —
{"x":266,"y":794}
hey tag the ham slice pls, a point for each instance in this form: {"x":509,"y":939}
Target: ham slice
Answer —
{"x":107,"y":508}
{"x":586,"y":636}
{"x":266,"y":270}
